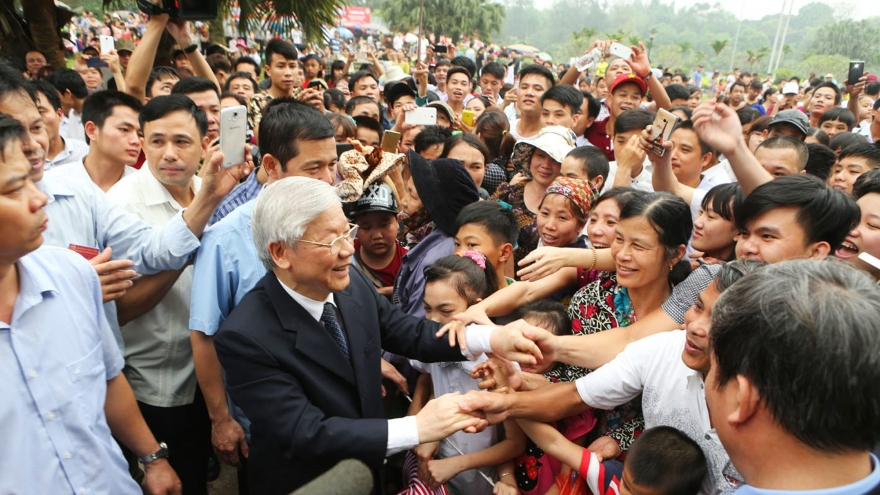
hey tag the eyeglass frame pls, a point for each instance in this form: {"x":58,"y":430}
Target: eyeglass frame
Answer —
{"x":349,"y":236}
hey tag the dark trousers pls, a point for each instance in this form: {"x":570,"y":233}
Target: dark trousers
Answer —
{"x":187,"y":431}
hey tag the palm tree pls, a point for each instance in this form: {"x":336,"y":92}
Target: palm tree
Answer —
{"x":718,"y":46}
{"x":633,"y":40}
{"x":751,"y":59}
{"x":450,"y":17}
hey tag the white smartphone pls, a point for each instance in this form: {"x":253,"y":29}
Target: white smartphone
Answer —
{"x":422,"y":116}
{"x":108,"y":44}
{"x":869,"y":259}
{"x":662,"y":130}
{"x":233,"y":135}
{"x":620,"y":51}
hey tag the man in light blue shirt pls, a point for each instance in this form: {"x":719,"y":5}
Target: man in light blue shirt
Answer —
{"x":296,"y":140}
{"x":794,"y":386}
{"x":60,"y":369}
{"x":83,"y":216}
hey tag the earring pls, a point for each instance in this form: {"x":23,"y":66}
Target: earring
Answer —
{"x":670,"y":267}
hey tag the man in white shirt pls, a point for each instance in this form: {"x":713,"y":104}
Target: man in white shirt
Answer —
{"x":158,"y":354}
{"x":73,"y":92}
{"x":112,"y":129}
{"x":61,"y":151}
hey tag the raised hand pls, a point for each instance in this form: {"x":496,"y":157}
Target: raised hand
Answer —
{"x":718,"y":126}
{"x":115,"y":275}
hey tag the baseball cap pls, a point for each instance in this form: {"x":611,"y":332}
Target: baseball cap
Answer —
{"x":628,"y":78}
{"x":793,"y":117}
{"x":441,"y":105}
{"x":790,"y":88}
{"x":376,"y":198}
{"x":124,"y":45}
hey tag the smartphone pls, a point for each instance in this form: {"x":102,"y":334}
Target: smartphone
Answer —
{"x":662,"y":130}
{"x":441,"y":49}
{"x":856,"y":71}
{"x":342,"y":148}
{"x":108,"y":44}
{"x":467,"y":117}
{"x":422,"y":116}
{"x":96,"y":63}
{"x":620,"y":51}
{"x":389,"y":141}
{"x":233,"y":135}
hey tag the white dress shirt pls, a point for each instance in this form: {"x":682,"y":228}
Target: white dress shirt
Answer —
{"x":72,"y":126}
{"x":158,"y":354}
{"x":74,"y":151}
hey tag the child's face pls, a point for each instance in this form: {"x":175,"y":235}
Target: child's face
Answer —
{"x":377,"y":232}
{"x":833,"y":127}
{"x":442,"y":301}
{"x":545,"y":366}
{"x":573,"y":168}
{"x":475,"y":237}
{"x":628,"y":487}
{"x":411,"y":203}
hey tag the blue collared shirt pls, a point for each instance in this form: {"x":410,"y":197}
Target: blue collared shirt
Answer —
{"x":409,"y":287}
{"x":227,"y":267}
{"x":56,"y":356}
{"x":80,"y":213}
{"x":242,"y":193}
{"x":860,"y":487}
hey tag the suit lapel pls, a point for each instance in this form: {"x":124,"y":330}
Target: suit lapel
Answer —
{"x":312,"y":339}
{"x":356,"y":329}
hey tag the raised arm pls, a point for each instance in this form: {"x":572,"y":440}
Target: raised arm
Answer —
{"x":141,"y":62}
{"x":719,"y":127}
{"x":179,"y":29}
{"x":642,"y":67}
{"x":663,"y":178}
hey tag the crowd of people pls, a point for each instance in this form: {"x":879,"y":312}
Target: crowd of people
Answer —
{"x":522,"y":290}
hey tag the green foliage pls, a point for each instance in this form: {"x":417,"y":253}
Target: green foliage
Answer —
{"x":684,"y":36}
{"x":856,"y":40}
{"x":450,"y":17}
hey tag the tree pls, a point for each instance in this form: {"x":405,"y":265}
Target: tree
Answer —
{"x":718,"y":46}
{"x":856,"y":40}
{"x":448,"y":17}
{"x":751,"y":59}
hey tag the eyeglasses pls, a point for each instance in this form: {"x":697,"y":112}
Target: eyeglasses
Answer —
{"x":336,"y":245}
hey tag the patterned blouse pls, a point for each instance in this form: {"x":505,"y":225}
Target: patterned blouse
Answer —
{"x":597,"y":307}
{"x":527,"y":240}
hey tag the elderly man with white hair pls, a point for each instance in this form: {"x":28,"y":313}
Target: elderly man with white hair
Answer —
{"x":301,"y":351}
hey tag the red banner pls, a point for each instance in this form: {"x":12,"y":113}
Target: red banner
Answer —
{"x":356,"y":15}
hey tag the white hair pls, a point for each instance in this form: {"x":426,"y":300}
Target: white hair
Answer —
{"x":285,"y":209}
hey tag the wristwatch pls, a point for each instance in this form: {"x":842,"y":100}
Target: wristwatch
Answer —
{"x":191,"y":48}
{"x":162,"y":453}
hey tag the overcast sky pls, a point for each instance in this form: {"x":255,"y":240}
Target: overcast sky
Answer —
{"x":755,"y":9}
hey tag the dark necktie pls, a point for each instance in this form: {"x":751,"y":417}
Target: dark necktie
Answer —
{"x":333,"y":328}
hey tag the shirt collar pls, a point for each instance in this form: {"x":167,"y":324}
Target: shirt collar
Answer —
{"x":312,"y":306}
{"x":34,"y":284}
{"x":155,"y":193}
{"x":55,"y":185}
{"x":862,"y":486}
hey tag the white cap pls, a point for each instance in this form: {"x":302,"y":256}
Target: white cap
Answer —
{"x":790,"y":88}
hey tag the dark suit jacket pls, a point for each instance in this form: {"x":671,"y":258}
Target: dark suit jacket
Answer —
{"x":308,"y":407}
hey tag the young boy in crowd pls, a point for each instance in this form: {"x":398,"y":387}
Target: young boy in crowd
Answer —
{"x":369,"y":131}
{"x":561,"y":105}
{"x":377,"y":253}
{"x":853,"y":161}
{"x":837,"y":120}
{"x":586,"y":163}
{"x":490,"y":228}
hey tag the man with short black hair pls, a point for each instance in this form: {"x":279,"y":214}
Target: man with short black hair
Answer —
{"x":736,"y":95}
{"x":34,"y":60}
{"x":113,"y":133}
{"x":534,"y":80}
{"x":589,"y":112}
{"x":73,"y":92}
{"x":63,"y":393}
{"x":561,"y":105}
{"x":204,"y":92}
{"x":369,"y":131}
{"x":852,"y":162}
{"x":363,"y":106}
{"x":788,"y":409}
{"x":678,"y":94}
{"x":61,"y":151}
{"x":155,"y":312}
{"x":491,"y":80}
{"x":458,"y":89}
{"x":782,"y":155}
{"x":625,"y":93}
{"x":249,"y":65}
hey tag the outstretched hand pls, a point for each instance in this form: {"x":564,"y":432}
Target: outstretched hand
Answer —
{"x":718,"y":126}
